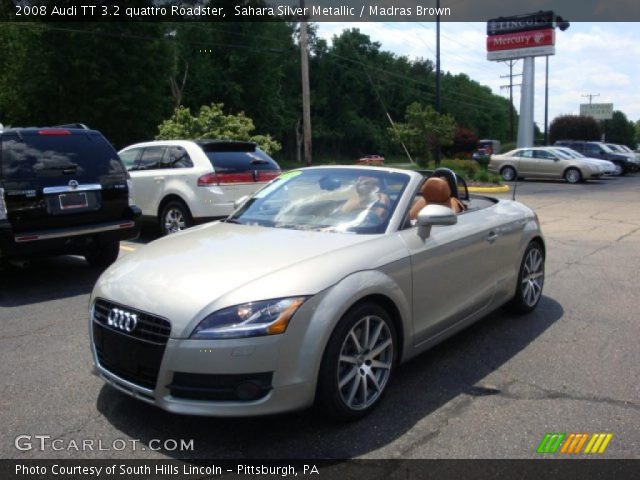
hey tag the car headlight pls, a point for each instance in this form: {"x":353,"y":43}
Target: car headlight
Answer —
{"x":254,"y":319}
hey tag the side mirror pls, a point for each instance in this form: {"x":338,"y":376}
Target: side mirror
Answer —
{"x":434,"y":215}
{"x":238,"y":203}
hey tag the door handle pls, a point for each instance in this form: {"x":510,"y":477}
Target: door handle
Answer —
{"x":492,"y":237}
{"x":159,"y":179}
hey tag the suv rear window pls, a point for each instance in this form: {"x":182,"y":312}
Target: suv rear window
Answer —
{"x":29,"y":156}
{"x":239,"y":161}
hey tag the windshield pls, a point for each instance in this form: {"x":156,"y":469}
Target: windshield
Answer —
{"x":562,"y":153}
{"x":350,"y":200}
{"x":572,"y":153}
{"x":606,"y":148}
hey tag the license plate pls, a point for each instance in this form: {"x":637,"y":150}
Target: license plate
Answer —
{"x":69,"y":201}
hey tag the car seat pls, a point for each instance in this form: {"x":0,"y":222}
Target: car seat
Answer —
{"x":435,"y":191}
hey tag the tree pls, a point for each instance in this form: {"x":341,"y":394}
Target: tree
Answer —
{"x":424,"y":130}
{"x":574,"y":127}
{"x":212,"y":123}
{"x":620,"y":130}
{"x":464,"y":142}
{"x":110,"y":76}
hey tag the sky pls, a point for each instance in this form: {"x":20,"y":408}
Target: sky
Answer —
{"x":591,"y":58}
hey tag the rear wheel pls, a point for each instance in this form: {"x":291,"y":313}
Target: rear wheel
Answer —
{"x":508,"y":173}
{"x":175,"y":217}
{"x":103,"y":254}
{"x":357,"y":363}
{"x":573,"y":175}
{"x":530,"y":280}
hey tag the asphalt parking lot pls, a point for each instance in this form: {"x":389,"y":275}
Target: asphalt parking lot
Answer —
{"x":492,"y":391}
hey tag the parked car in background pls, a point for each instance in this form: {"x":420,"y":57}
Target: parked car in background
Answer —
{"x":607,"y":167}
{"x":543,"y":162}
{"x":485,"y":149}
{"x":63,"y":191}
{"x":314,"y":290}
{"x":630,"y":154}
{"x":179,"y":183}
{"x":599,"y":150}
{"x":371,"y":160}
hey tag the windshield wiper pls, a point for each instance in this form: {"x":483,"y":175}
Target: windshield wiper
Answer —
{"x":233,"y":220}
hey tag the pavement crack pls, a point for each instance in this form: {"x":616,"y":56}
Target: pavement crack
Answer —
{"x":549,"y":394}
{"x":33,"y":332}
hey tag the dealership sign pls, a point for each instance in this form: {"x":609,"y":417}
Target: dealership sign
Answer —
{"x":530,"y":43}
{"x":521,"y":36}
{"x":521,"y":23}
{"x":599,"y":111}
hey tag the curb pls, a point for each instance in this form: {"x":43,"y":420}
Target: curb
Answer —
{"x":500,"y":189}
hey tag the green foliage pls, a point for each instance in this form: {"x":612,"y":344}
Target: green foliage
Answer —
{"x":466,"y":168}
{"x":620,"y":130}
{"x":574,"y":127}
{"x":90,"y":73}
{"x":424,"y":130}
{"x":212,"y":123}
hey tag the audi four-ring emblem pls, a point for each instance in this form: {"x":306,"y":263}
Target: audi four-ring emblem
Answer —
{"x":122,"y":320}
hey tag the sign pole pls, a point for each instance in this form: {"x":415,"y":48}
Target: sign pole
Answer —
{"x":525,"y":122}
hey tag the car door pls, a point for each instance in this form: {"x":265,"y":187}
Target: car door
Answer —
{"x":148,"y":179}
{"x":547,"y":164}
{"x":527,"y":163}
{"x":455,"y":271}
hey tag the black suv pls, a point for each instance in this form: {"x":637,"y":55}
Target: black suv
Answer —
{"x":63,"y":191}
{"x":599,"y":150}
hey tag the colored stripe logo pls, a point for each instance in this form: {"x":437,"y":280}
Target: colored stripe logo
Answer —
{"x":574,"y":443}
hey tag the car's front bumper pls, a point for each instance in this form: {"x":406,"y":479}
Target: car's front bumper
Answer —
{"x":212,"y":377}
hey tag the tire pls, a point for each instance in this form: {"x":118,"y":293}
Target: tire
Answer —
{"x":353,"y":376}
{"x":572,"y":175}
{"x":103,"y":254}
{"x":175,"y":217}
{"x":508,"y":174}
{"x":529,"y":288}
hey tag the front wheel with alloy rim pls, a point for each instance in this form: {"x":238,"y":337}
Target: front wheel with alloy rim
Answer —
{"x":573,"y":175}
{"x":530,"y":280}
{"x":508,"y":173}
{"x":358,"y":362}
{"x":175,"y":217}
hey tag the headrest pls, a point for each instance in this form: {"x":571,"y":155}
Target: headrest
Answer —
{"x":436,"y":190}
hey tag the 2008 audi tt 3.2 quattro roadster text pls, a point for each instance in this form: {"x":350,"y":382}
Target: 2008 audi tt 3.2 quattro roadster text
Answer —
{"x":314,"y":290}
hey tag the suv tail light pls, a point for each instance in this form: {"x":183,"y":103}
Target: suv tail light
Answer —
{"x":130,"y":189}
{"x":3,"y":206}
{"x":208,"y":179}
{"x":268,"y":175}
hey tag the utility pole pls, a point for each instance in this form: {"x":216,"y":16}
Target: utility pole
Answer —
{"x":511,"y":63}
{"x":438,"y":107}
{"x":590,"y":96}
{"x":306,"y":103}
{"x":546,"y":101}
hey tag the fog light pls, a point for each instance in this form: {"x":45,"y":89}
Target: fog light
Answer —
{"x":249,"y":391}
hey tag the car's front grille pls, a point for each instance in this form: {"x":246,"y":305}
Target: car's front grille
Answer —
{"x":130,"y":359}
{"x":242,"y":387}
{"x":136,"y":355}
{"x":149,"y":328}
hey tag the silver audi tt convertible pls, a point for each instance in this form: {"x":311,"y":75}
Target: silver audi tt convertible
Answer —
{"x":312,"y":291}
